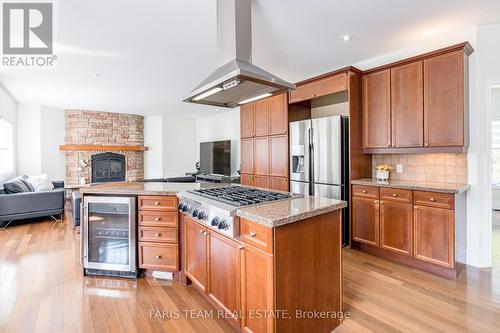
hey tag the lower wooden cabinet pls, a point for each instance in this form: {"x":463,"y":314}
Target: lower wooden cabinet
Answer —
{"x":434,"y":232}
{"x":162,"y":257}
{"x":365,"y":220}
{"x":257,"y":290}
{"x":246,"y":179}
{"x":279,"y":184}
{"x":395,"y":226}
{"x":195,"y":253}
{"x":261,"y":181}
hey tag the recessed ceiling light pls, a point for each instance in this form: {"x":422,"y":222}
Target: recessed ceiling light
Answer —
{"x":95,"y":75}
{"x":346,"y":38}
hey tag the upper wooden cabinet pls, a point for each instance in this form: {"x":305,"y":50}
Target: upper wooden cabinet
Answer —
{"x":261,"y":110}
{"x":278,"y":115}
{"x":407,"y":109}
{"x":247,"y":163}
{"x":444,"y":100}
{"x":261,"y":156}
{"x":418,"y":103}
{"x":318,"y":87}
{"x":377,"y":109}
{"x":247,"y":120}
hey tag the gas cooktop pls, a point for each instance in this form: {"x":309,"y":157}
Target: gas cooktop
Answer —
{"x":240,"y":196}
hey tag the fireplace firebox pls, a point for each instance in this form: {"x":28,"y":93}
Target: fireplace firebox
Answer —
{"x":108,"y":167}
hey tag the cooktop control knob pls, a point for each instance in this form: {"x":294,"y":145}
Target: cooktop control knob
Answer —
{"x":202,"y":215}
{"x":215,"y":221}
{"x":185,"y":207}
{"x":223,"y":225}
{"x":195,"y":213}
{"x":181,"y":206}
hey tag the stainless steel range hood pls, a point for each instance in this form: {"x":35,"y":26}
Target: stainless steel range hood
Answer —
{"x":237,"y":81}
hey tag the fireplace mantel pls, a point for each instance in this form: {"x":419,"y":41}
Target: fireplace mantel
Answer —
{"x":101,"y":148}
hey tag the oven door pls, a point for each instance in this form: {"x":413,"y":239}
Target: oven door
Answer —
{"x":109,"y":233}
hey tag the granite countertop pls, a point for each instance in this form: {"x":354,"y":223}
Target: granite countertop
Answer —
{"x":415,"y":185}
{"x":145,"y":188}
{"x":277,"y":213}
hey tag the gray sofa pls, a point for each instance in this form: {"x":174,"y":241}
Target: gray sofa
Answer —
{"x":17,"y":206}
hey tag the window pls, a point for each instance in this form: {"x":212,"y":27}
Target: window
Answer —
{"x":6,"y":147}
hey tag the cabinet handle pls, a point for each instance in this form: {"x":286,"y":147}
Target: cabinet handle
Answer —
{"x":381,"y":202}
{"x":253,"y":234}
{"x":241,"y":247}
{"x":426,"y":144}
{"x":432,"y":199}
{"x":158,"y":235}
{"x":157,"y":203}
{"x":157,"y":219}
{"x":394,"y":195}
{"x":365,"y":191}
{"x":158,"y":257}
{"x":205,"y":233}
{"x":201,"y":231}
{"x":388,"y":145}
{"x":375,"y":201}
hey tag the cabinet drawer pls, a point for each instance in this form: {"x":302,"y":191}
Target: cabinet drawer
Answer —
{"x":163,"y":257}
{"x":365,"y":191}
{"x":257,"y":235}
{"x":158,"y":203}
{"x":152,"y":219}
{"x":434,"y":199}
{"x":396,"y":194}
{"x":317,"y":88}
{"x":155,"y":234}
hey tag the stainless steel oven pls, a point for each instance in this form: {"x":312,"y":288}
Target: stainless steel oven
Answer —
{"x":108,"y":236}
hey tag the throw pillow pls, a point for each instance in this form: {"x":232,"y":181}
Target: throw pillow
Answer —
{"x":18,"y":185}
{"x":41,"y":183}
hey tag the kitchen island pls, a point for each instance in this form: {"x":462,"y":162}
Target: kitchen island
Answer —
{"x":281,"y":273}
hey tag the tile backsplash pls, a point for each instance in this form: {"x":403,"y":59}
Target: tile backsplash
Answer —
{"x":438,"y":167}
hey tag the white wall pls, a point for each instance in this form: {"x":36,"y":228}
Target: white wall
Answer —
{"x":38,"y":140}
{"x":153,"y":139}
{"x":179,"y":146}
{"x":221,"y":126}
{"x":8,"y":112}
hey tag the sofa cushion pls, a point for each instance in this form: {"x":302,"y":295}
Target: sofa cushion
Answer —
{"x":18,"y":185}
{"x":41,"y":183}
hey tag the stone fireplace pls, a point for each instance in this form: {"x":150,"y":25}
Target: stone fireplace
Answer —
{"x":103,"y":140}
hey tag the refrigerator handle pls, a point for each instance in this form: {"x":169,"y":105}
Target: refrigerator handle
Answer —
{"x":311,"y":161}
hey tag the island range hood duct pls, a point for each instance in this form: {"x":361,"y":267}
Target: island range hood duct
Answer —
{"x":237,"y":81}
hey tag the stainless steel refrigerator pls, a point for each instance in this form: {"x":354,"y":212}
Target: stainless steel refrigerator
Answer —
{"x":319,"y":160}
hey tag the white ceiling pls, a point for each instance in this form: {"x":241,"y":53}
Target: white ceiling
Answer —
{"x":150,"y":53}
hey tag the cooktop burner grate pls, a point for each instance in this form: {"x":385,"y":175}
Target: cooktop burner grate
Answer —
{"x":240,"y":196}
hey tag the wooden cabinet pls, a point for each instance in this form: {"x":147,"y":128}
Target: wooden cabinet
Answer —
{"x":434,"y":232}
{"x":418,"y":103}
{"x":261,"y":156}
{"x":407,"y":110}
{"x":247,"y":157}
{"x":247,"y":120}
{"x":319,"y":87}
{"x":377,"y":109}
{"x":264,"y":152}
{"x":257,"y":290}
{"x":224,"y":267}
{"x":278,"y":115}
{"x":195,"y":253}
{"x":444,"y":100}
{"x":365,"y":220}
{"x":395,"y":226}
{"x":158,"y":233}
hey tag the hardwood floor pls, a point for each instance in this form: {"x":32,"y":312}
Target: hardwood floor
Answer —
{"x":42,"y":290}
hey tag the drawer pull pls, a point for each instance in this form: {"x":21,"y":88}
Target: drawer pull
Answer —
{"x":394,"y":195}
{"x":157,"y":219}
{"x":205,"y":233}
{"x":375,"y":201}
{"x":158,"y":235}
{"x":157,"y":203}
{"x":253,"y":234}
{"x":201,"y":231}
{"x":241,"y":247}
{"x":381,"y":202}
{"x":432,"y":199}
{"x":158,"y":257}
{"x":365,"y":191}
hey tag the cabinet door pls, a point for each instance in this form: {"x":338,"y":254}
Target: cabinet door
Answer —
{"x":279,"y":184}
{"x":195,"y":252}
{"x":395,"y":226}
{"x":278,"y":115}
{"x":246,"y":179}
{"x":261,"y":181}
{"x":224,"y":278}
{"x":434,"y":235}
{"x":247,"y":149}
{"x":261,"y":109}
{"x":278,"y":156}
{"x":365,"y":220}
{"x":377,"y":109}
{"x":407,"y":106}
{"x":261,"y":156}
{"x":257,"y":290}
{"x":247,"y":122}
{"x":444,"y":100}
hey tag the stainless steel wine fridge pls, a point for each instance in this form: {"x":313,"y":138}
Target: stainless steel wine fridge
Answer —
{"x":108,"y":236}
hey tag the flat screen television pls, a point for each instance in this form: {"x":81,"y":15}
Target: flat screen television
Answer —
{"x":215,"y":157}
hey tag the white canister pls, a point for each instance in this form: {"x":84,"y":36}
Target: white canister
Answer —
{"x":382,"y":175}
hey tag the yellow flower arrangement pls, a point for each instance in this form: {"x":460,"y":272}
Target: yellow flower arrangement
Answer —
{"x":384,"y":167}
